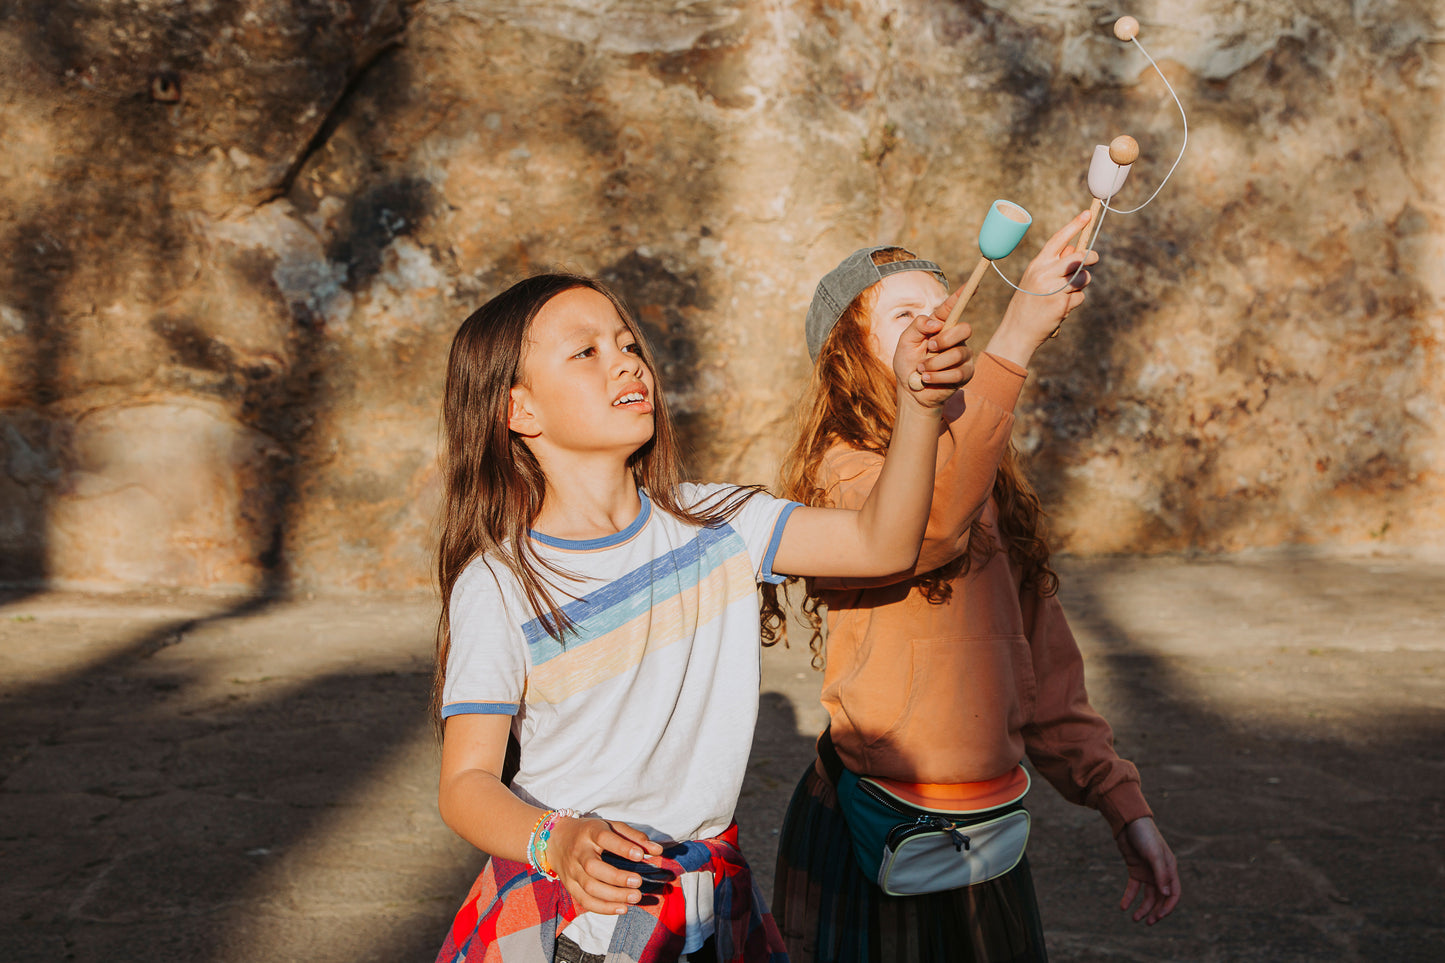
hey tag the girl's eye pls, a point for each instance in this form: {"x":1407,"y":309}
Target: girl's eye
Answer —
{"x":634,"y":347}
{"x":586,"y":352}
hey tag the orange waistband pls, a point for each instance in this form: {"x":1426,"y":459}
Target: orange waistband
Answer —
{"x":961,"y":796}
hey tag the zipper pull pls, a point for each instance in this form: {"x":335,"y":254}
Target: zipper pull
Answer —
{"x":960,"y":841}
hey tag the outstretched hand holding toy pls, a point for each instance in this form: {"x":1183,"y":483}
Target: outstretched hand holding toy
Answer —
{"x":1006,"y":223}
{"x":1111,"y":163}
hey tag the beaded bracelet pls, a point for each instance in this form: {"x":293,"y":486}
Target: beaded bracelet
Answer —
{"x":537,"y":851}
{"x":532,"y":841}
{"x":545,"y":836}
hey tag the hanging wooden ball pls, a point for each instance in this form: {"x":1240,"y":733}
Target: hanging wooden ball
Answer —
{"x":1123,"y":150}
{"x":1126,"y":28}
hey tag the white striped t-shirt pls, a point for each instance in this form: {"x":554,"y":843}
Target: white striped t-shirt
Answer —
{"x":646,"y":713}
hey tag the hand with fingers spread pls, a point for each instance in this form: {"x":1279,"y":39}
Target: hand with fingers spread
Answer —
{"x":596,"y":886}
{"x":937,"y":352}
{"x":1153,"y":872}
{"x":1031,"y":319}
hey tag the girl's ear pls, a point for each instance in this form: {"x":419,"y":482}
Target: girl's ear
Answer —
{"x":520,"y":417}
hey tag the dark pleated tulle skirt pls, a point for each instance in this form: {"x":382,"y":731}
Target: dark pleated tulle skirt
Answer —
{"x":829,"y":912}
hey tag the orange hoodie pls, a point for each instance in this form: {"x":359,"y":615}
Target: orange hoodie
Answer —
{"x":959,"y":691}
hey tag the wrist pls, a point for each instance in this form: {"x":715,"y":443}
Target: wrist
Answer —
{"x":1013,"y":341}
{"x":910,"y":405}
{"x":541,"y":835}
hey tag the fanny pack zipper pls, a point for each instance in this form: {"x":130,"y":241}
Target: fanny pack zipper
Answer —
{"x":927,"y":824}
{"x":930,"y":822}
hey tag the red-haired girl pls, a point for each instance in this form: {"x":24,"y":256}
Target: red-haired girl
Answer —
{"x":939,"y":678}
{"x":598,"y":652}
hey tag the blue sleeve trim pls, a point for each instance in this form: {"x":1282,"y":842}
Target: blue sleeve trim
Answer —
{"x":765,"y":571}
{"x":479,"y":708}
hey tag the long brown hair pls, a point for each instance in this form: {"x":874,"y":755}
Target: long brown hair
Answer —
{"x":851,"y":400}
{"x":492,"y":485}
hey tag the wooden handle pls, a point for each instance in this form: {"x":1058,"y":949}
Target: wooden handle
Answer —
{"x":1094,"y":209}
{"x":915,"y":380}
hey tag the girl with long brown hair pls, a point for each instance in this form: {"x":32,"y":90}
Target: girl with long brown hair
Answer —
{"x":940,"y":677}
{"x":598,"y":649}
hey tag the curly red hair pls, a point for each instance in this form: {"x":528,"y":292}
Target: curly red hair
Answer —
{"x":851,"y":401}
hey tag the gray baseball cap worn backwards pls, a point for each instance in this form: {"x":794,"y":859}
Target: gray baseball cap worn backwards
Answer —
{"x":856,"y":274}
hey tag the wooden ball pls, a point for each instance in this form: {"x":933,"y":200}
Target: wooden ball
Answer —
{"x":1126,"y":28}
{"x":1123,"y":150}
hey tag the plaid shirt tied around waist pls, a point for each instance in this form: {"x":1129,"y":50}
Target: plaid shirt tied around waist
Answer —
{"x":513,"y":915}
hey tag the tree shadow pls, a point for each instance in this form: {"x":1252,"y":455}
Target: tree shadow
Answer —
{"x":635,"y":209}
{"x":203,"y":794}
{"x":153,"y":814}
{"x":152,"y":817}
{"x":1194,"y":384}
{"x":1298,"y":813}
{"x":120,"y":229}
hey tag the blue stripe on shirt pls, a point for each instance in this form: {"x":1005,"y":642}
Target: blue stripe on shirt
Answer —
{"x":480,"y":708}
{"x":624,"y":598}
{"x":765,"y":571}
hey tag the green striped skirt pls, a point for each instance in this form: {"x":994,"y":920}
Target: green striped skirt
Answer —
{"x":830,"y":913}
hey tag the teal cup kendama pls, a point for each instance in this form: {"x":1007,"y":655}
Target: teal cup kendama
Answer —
{"x":1003,"y":228}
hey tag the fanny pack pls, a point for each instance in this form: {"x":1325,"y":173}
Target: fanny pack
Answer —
{"x":911,"y":846}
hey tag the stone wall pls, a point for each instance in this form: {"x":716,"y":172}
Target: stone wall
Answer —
{"x":235,"y":239}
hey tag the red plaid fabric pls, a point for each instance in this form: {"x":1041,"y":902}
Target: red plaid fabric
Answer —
{"x":513,"y":915}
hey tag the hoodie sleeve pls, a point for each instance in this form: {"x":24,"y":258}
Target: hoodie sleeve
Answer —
{"x":1069,"y":743}
{"x":969,"y":451}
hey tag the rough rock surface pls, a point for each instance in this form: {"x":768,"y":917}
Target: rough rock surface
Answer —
{"x":235,"y":239}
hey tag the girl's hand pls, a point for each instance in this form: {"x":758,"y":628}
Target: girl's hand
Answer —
{"x":938,"y":354}
{"x":1153,"y":874}
{"x":575,"y":853}
{"x":1030,"y":319}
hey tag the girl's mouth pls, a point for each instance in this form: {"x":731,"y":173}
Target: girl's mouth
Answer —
{"x":633,"y":394}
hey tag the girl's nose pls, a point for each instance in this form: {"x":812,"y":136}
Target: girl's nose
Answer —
{"x":628,"y":363}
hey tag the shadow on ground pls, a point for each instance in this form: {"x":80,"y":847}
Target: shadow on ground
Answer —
{"x":249,"y":782}
{"x":1286,"y":713}
{"x":190,"y":779}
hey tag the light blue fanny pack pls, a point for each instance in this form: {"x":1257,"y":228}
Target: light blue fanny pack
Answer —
{"x":909,"y":850}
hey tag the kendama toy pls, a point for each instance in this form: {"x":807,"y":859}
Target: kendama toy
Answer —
{"x":1007,"y":222}
{"x":1003,"y":227}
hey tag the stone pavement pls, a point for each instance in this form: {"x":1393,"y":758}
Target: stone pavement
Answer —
{"x":206,"y":779}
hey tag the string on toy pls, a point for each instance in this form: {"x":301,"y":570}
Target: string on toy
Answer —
{"x":1126,"y":29}
{"x":1182,"y":116}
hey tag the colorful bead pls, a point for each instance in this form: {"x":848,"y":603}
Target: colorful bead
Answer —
{"x":543,"y":864}
{"x":532,"y":842}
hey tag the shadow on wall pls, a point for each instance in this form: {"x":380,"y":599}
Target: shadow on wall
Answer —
{"x":62,"y":244}
{"x":1208,"y":394}
{"x":118,"y":237}
{"x":165,"y":800}
{"x":101,"y":251}
{"x":651,"y":199}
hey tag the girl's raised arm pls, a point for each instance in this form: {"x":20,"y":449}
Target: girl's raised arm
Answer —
{"x":883,"y":535}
